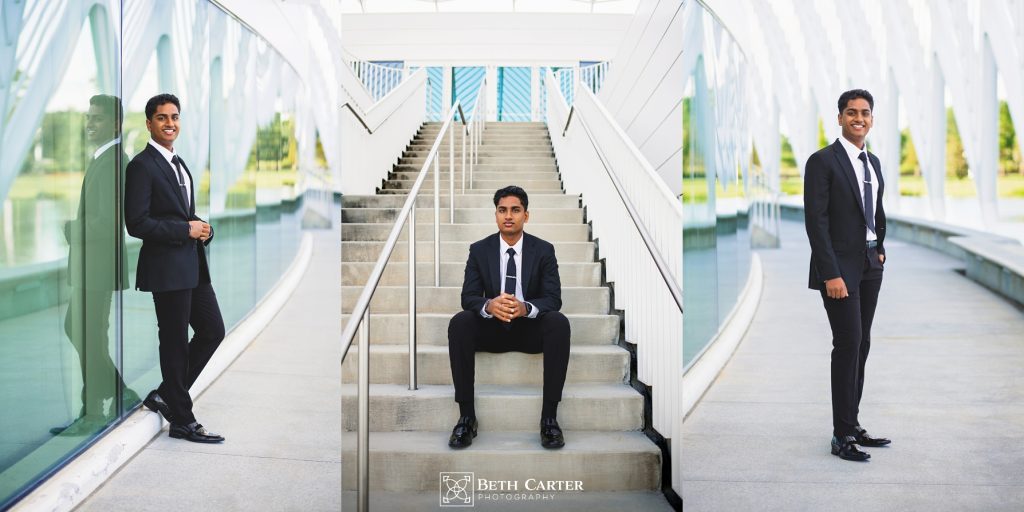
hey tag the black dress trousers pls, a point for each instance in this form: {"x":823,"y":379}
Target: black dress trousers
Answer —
{"x":469,"y":333}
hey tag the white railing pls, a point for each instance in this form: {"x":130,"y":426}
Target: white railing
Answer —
{"x":592,"y":77}
{"x":378,"y":80}
{"x":638,"y":222}
{"x":359,"y":321}
{"x":373,"y":141}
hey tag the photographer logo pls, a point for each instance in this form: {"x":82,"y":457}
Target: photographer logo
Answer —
{"x":456,"y":489}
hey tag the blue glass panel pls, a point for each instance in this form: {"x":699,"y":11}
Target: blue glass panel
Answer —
{"x":513,"y":94}
{"x":465,"y":84}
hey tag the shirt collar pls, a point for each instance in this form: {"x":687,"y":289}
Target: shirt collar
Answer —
{"x":169,"y":155}
{"x":518,"y":245}
{"x":852,"y":150}
{"x":99,"y":151}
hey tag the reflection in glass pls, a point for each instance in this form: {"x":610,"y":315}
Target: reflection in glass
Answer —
{"x":724,"y":194}
{"x":59,"y":241}
{"x":78,"y":343}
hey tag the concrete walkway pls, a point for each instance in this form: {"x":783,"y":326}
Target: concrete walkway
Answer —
{"x":944,"y":381}
{"x":278,"y":406}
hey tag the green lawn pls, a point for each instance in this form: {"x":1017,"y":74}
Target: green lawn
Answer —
{"x":1006,"y":186}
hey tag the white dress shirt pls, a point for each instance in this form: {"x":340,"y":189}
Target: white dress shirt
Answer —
{"x":503,"y":259}
{"x":99,"y":151}
{"x":185,"y":176}
{"x":858,"y":169}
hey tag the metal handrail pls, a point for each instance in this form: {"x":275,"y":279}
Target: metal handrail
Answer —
{"x":360,"y":316}
{"x":659,"y":261}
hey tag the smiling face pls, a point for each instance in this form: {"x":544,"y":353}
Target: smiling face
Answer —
{"x":163,"y":126}
{"x":511,"y":216}
{"x":99,"y":126}
{"x":855,"y":119}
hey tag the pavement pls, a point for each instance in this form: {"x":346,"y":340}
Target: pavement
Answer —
{"x":279,"y":407}
{"x":944,"y":381}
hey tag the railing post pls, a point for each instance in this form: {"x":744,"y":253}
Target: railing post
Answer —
{"x":451,"y":172}
{"x":363,"y":450}
{"x":437,"y":217}
{"x":463,"y":130}
{"x":412,"y":298}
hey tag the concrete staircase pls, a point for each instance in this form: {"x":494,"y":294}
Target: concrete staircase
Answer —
{"x":600,"y":413}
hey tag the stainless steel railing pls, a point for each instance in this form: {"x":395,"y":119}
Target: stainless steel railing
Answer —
{"x":472,"y":129}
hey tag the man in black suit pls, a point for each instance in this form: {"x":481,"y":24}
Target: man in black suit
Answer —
{"x":511,"y":295}
{"x":845,"y":223}
{"x":95,"y":246}
{"x":160,"y":209}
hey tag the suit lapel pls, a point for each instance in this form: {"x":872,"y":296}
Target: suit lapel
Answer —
{"x":494,"y":264}
{"x":168,"y":172}
{"x":847,"y":170}
{"x":528,"y":260}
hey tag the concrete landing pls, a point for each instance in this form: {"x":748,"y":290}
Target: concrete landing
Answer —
{"x":944,"y":381}
{"x":278,"y":407}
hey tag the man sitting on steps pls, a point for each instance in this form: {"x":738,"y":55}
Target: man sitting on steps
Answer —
{"x":511,"y":295}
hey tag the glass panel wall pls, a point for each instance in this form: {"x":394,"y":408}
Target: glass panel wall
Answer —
{"x":717,"y":177}
{"x":78,"y":345}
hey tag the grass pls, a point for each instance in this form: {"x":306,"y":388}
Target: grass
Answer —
{"x":915,"y":186}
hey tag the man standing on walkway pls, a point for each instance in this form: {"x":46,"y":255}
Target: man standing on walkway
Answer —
{"x":160,"y":209}
{"x":511,"y":295}
{"x":846,"y":227}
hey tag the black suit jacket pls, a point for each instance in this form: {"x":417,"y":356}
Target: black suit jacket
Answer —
{"x":834,"y":216}
{"x":93,"y":237}
{"x":155,"y":211}
{"x":541,"y":284}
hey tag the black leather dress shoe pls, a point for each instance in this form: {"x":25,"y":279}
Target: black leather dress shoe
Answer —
{"x":155,"y":403}
{"x":463,"y":433}
{"x":194,"y":432}
{"x":864,"y":439}
{"x":845,"y":448}
{"x":551,"y":434}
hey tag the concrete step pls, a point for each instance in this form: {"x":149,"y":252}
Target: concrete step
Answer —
{"x":548,"y":185}
{"x":538,"y":151}
{"x":489,"y":174}
{"x":465,"y":232}
{"x":590,"y":501}
{"x":462,"y":215}
{"x":525,"y":137}
{"x":474,"y":200}
{"x":453,"y":273}
{"x":424,"y":146}
{"x":603,"y":461}
{"x":596,"y":407}
{"x":432,"y":328}
{"x":389,"y":364}
{"x":566,"y":252}
{"x":502,"y":160}
{"x":502,"y":168}
{"x":592,"y":300}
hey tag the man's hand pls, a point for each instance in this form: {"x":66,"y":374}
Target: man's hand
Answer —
{"x":881,"y":258}
{"x":506,"y":307}
{"x":836,"y":288}
{"x":198,"y":230}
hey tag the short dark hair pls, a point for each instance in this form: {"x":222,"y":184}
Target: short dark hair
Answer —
{"x":852,"y":94}
{"x":512,"y":190}
{"x":111,"y":106}
{"x":158,"y":100}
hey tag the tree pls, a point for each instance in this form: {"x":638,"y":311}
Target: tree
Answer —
{"x":1009,"y":152}
{"x":908,"y":155}
{"x":956,"y":164}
